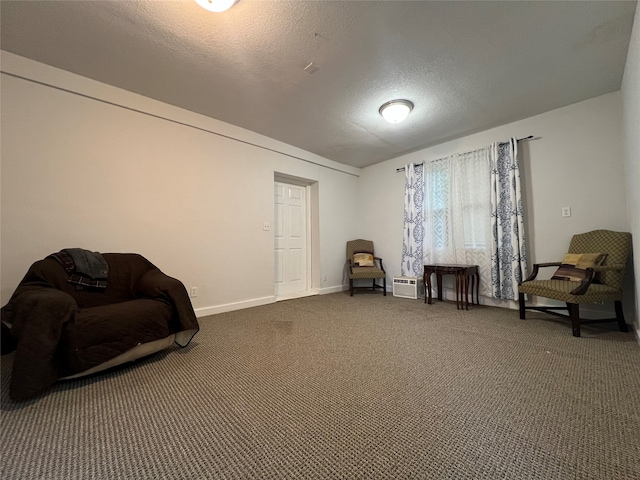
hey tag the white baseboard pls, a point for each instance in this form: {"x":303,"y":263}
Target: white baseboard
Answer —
{"x":229,"y":307}
{"x":291,"y":296}
{"x":256,"y":302}
{"x":334,"y":289}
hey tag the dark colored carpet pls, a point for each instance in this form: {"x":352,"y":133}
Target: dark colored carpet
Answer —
{"x":346,"y":388}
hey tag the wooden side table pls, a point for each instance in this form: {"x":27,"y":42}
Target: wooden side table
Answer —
{"x":462,"y":273}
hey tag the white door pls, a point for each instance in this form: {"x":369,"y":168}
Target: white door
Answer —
{"x":290,"y":239}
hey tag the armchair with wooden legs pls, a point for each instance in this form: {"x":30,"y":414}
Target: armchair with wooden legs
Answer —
{"x":591,"y":272}
{"x":363,"y":264}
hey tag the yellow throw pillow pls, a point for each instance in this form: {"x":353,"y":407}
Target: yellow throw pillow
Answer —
{"x":363,"y":260}
{"x":574,"y":266}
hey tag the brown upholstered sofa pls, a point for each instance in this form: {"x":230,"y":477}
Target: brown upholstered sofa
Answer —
{"x":61,"y":330}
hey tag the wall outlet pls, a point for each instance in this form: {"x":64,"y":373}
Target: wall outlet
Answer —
{"x":566,"y":211}
{"x":324,"y":277}
{"x":193,"y":292}
{"x":266,"y":226}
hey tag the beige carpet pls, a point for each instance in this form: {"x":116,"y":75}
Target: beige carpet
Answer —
{"x":346,"y":388}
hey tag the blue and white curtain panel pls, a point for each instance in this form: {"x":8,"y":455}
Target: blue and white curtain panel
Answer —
{"x":508,"y":258}
{"x":413,"y":236}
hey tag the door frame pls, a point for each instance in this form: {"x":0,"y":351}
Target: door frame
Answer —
{"x":312,"y":233}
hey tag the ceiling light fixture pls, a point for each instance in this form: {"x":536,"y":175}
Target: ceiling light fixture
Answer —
{"x":396,"y":111}
{"x":216,"y":5}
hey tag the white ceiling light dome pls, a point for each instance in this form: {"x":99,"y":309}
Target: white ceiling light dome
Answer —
{"x":396,"y":111}
{"x":216,"y":5}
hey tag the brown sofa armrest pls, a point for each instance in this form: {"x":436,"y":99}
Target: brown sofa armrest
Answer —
{"x":159,"y":286}
{"x":37,"y":316}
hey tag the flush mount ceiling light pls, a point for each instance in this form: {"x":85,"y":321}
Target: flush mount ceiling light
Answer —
{"x":216,"y":5}
{"x":396,"y":111}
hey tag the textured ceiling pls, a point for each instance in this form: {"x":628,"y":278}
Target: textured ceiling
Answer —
{"x":467,"y":66}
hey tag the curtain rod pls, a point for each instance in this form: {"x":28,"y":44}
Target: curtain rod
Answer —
{"x":401,"y":169}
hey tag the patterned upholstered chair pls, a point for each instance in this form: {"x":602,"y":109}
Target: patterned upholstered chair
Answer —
{"x":363,"y":264}
{"x":601,"y":282}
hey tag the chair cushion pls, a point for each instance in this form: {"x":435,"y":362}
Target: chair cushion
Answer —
{"x":366,"y":272}
{"x":561,"y":290}
{"x":574,"y":266}
{"x":363,"y":259}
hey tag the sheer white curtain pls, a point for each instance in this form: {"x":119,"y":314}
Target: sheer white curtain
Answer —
{"x":457,"y":212}
{"x":413,"y":236}
{"x":509,"y":259}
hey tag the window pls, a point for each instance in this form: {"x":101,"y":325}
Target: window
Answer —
{"x":458,"y":210}
{"x":471,"y":214}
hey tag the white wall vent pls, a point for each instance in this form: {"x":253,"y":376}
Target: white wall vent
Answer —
{"x":408,"y":287}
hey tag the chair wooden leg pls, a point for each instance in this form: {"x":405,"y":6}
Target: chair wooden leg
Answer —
{"x":384,"y":286}
{"x":351,"y":286}
{"x":521,"y":304}
{"x":574,"y":312}
{"x":620,"y":316}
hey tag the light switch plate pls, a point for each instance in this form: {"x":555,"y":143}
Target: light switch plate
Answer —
{"x":566,"y":211}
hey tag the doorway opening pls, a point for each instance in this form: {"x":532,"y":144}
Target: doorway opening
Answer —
{"x":295,"y":231}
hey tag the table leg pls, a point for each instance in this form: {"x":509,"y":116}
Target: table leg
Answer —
{"x":427,"y":289}
{"x":473,"y":286}
{"x":439,"y":284}
{"x":466,"y":291}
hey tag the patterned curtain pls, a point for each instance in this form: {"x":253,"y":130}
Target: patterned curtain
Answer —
{"x":413,"y":221}
{"x":508,"y":256}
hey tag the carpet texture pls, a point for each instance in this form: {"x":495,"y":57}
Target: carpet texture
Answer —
{"x":339,"y":387}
